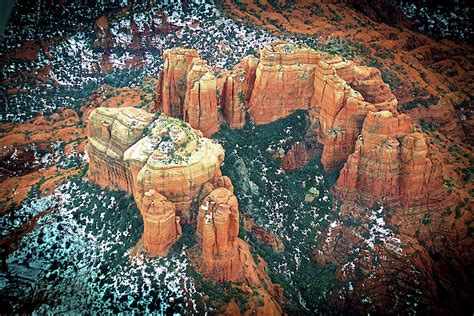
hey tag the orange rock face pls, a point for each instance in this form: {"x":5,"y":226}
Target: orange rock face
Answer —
{"x":284,"y":81}
{"x":237,"y":91}
{"x":188,"y":90}
{"x":392,"y":165}
{"x":217,"y":230}
{"x":162,"y":161}
{"x":161,"y":225}
{"x":287,"y":77}
{"x":344,"y":94}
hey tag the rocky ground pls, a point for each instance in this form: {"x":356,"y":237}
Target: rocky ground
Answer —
{"x":324,"y":235}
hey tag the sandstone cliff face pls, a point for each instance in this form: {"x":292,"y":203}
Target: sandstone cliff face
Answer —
{"x":392,"y":165}
{"x":222,"y":256}
{"x":217,"y":230}
{"x":287,"y":77}
{"x":188,"y":90}
{"x":283,"y":81}
{"x":111,"y":132}
{"x":344,"y":94}
{"x":161,"y":225}
{"x":237,"y":90}
{"x":162,"y":161}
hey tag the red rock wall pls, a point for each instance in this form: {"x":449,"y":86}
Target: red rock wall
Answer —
{"x":237,"y":91}
{"x":283,"y":81}
{"x":161,"y":226}
{"x":392,"y":165}
{"x":188,"y":90}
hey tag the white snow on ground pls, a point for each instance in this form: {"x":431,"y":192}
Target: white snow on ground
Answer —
{"x":80,"y":253}
{"x":220,"y":41}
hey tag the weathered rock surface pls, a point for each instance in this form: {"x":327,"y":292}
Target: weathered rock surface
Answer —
{"x":217,"y":230}
{"x":287,"y":77}
{"x":221,"y":255}
{"x":296,"y":157}
{"x":344,"y":94}
{"x":162,"y":161}
{"x":236,"y":91}
{"x":284,"y":81}
{"x":188,"y":90}
{"x":161,"y":225}
{"x":392,"y":165}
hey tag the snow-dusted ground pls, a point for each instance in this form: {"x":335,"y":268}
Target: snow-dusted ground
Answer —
{"x":220,"y":40}
{"x":451,"y":19}
{"x":77,"y":258}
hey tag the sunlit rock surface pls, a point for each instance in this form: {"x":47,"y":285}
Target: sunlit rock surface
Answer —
{"x":188,"y":90}
{"x":162,"y":161}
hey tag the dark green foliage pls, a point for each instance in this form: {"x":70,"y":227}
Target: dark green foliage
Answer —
{"x":426,"y":219}
{"x":263,"y":191}
{"x":426,"y":102}
{"x":241,"y":5}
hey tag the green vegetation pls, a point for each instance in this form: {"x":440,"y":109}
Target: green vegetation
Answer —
{"x":276,"y":202}
{"x":426,"y":219}
{"x":241,"y":5}
{"x":426,"y":102}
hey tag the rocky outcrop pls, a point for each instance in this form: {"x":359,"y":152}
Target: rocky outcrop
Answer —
{"x":296,"y":157}
{"x":174,"y":160}
{"x":263,"y":236}
{"x":344,"y":94}
{"x":392,"y":165}
{"x":222,"y":255}
{"x":188,"y":90}
{"x":287,"y":77}
{"x":162,"y":161}
{"x":217,"y":230}
{"x":161,"y":226}
{"x":237,"y":90}
{"x":111,"y":132}
{"x":284,"y":81}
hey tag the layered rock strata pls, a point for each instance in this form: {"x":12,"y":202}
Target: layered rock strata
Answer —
{"x":284,"y":81}
{"x":162,"y":161}
{"x":392,"y":165}
{"x":343,"y":95}
{"x":237,"y":90}
{"x":188,"y":90}
{"x":288,"y":77}
{"x":217,"y":230}
{"x":161,"y":225}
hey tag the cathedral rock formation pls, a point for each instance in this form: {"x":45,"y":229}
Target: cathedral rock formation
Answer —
{"x":283,"y":81}
{"x":162,"y":161}
{"x":392,"y":165}
{"x":287,"y":77}
{"x":221,"y":254}
{"x":187,"y":90}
